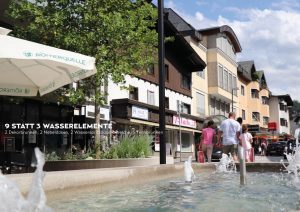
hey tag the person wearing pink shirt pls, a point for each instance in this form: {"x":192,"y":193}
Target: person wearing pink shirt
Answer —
{"x":207,"y":138}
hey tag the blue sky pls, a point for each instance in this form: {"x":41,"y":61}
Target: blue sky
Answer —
{"x":268,"y":30}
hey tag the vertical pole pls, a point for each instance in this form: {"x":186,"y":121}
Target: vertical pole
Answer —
{"x":161,"y":56}
{"x":110,"y":125}
{"x":242,"y":166}
{"x":180,"y":132}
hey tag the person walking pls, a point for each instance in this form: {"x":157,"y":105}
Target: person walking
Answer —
{"x":207,"y":138}
{"x":245,"y":142}
{"x":230,"y":130}
{"x":263,"y":147}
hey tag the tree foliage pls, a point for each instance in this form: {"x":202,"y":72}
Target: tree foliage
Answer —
{"x":120,"y":34}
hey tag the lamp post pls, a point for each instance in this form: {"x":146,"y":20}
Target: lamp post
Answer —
{"x":179,"y":116}
{"x":233,"y":89}
{"x":162,"y":76}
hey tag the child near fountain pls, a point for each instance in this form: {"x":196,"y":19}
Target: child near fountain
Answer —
{"x":245,"y":141}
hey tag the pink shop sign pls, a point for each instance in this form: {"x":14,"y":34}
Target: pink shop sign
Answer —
{"x":184,"y":122}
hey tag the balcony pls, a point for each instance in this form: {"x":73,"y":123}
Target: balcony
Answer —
{"x":222,"y":94}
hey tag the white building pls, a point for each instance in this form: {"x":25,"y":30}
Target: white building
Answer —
{"x":279,"y":112}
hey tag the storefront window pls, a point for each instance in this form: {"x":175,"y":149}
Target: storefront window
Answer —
{"x":186,"y":142}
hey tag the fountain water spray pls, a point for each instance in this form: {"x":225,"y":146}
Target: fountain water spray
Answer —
{"x":293,"y":166}
{"x":293,"y":159}
{"x":226,"y":164}
{"x":189,"y":174}
{"x":13,"y":201}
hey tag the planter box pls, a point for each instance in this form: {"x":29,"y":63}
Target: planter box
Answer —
{"x":63,"y":165}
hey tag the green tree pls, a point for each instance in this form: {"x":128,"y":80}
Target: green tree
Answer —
{"x":120,"y":34}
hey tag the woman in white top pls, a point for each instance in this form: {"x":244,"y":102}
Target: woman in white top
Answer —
{"x":246,"y":141}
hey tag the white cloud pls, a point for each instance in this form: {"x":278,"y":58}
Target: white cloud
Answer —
{"x":286,"y":5}
{"x":270,"y":37}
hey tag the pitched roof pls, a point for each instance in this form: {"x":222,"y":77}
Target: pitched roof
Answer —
{"x":286,"y":97}
{"x":246,"y":68}
{"x":262,"y":79}
{"x":181,"y":25}
{"x":181,"y":48}
{"x":228,"y":31}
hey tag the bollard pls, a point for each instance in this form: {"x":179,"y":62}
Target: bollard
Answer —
{"x":242,"y":166}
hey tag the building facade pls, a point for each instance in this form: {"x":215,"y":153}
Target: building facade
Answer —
{"x":279,"y":112}
{"x":222,"y":46}
{"x":136,"y":107}
{"x":199,"y":78}
{"x":254,"y":96}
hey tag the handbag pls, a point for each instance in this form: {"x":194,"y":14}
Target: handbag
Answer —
{"x":200,"y":154}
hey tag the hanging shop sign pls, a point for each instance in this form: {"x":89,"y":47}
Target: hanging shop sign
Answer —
{"x":185,"y":122}
{"x":141,"y":113}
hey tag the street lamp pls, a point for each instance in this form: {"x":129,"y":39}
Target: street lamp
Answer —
{"x":179,"y":110}
{"x":233,"y":89}
{"x":162,"y":76}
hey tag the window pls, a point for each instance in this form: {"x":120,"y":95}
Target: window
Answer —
{"x":133,"y":93}
{"x":265,"y":100}
{"x":282,"y":107}
{"x":256,"y":116}
{"x":150,"y":70}
{"x":225,"y":45}
{"x":200,"y":99}
{"x":167,"y":102}
{"x":243,"y":114}
{"x":225,"y":80}
{"x":283,"y":122}
{"x":254,"y":93}
{"x":265,"y":120}
{"x":234,"y":85}
{"x":185,"y":82}
{"x":186,"y":142}
{"x":242,"y":90}
{"x":186,"y":108}
{"x":167,"y":72}
{"x":230,"y":82}
{"x":220,"y":76}
{"x":150,"y":98}
{"x":201,"y":73}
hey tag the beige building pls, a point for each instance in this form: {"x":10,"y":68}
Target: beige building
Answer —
{"x":199,"y":106}
{"x":200,"y":83}
{"x":254,"y":95}
{"x":222,"y":46}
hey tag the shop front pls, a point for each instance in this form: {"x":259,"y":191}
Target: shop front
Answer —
{"x":22,"y":130}
{"x":130,"y":116}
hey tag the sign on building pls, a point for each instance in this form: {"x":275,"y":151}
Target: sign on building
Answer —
{"x":253,"y":128}
{"x":185,"y":122}
{"x":138,"y":112}
{"x":272,"y":126}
